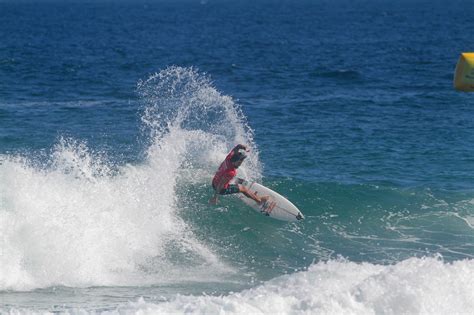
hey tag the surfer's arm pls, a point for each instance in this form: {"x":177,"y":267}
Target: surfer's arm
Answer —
{"x":235,"y":150}
{"x":214,"y":198}
{"x":218,"y":188}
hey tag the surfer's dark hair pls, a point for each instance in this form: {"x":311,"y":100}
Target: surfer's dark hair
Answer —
{"x":238,"y":156}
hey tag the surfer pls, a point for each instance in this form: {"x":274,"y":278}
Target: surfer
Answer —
{"x":227,"y":171}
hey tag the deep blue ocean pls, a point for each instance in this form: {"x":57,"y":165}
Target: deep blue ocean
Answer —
{"x":114,"y":116}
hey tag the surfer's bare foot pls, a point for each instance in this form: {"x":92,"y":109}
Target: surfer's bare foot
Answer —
{"x":266,"y":205}
{"x":263,"y":199}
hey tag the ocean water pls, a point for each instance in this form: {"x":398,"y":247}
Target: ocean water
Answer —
{"x":114,"y":116}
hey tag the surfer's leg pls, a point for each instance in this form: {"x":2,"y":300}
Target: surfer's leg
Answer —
{"x":251,"y":195}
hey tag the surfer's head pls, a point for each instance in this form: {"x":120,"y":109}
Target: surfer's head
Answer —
{"x":238,"y":158}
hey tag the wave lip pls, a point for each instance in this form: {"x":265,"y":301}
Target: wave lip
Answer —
{"x":78,"y":220}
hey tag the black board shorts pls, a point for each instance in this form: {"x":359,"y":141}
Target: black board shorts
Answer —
{"x":231,"y":189}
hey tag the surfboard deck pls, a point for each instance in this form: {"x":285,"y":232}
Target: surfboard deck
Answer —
{"x":276,"y":207}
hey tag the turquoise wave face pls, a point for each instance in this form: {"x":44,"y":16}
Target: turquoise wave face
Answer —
{"x":377,"y":224}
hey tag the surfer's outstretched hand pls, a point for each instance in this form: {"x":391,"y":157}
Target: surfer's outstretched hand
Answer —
{"x":213,"y":200}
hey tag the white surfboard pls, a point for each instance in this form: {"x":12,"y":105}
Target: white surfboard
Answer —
{"x":277,"y":206}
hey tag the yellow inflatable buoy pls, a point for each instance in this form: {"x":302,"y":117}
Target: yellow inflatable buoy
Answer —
{"x":464,"y":74}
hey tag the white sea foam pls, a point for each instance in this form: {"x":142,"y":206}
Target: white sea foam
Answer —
{"x":79,"y":221}
{"x":77,"y":225}
{"x":413,"y":286}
